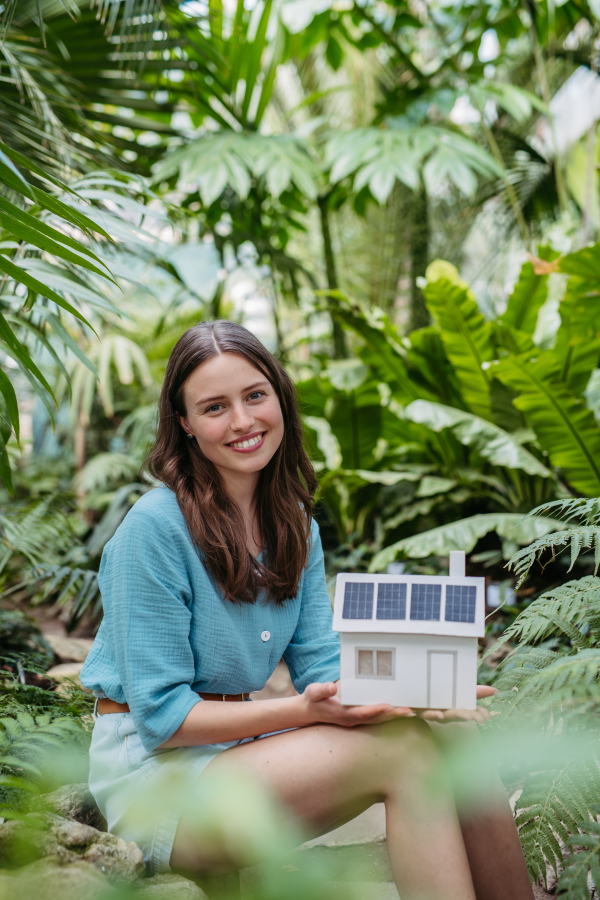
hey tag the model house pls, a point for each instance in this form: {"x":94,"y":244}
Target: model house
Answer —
{"x":410,"y":640}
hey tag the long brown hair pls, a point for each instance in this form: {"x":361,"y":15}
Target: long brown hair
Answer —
{"x":285,"y":489}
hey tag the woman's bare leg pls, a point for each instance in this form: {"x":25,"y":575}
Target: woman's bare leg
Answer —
{"x":326,"y":774}
{"x":488,"y":828}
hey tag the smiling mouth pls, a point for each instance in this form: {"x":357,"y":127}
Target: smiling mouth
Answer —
{"x":250,"y":443}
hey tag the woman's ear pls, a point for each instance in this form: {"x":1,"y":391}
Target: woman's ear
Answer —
{"x":184,"y":424}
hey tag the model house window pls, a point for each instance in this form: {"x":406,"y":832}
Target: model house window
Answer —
{"x":371,"y":663}
{"x":460,"y":603}
{"x":425,"y":602}
{"x":391,"y":601}
{"x":358,"y":600}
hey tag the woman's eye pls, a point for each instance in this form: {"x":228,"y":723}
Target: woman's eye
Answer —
{"x":256,"y":395}
{"x":214,"y":408}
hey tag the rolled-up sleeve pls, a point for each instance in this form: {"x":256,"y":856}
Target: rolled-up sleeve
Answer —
{"x":313,"y":654}
{"x":145,"y":593}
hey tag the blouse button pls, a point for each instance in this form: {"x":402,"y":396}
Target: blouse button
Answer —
{"x":265,"y":636}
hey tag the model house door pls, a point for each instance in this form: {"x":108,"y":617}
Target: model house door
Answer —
{"x":441,"y":679}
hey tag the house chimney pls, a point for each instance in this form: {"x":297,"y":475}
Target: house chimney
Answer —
{"x":457,"y":564}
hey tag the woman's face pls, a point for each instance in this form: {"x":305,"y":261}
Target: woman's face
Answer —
{"x":233,"y":413}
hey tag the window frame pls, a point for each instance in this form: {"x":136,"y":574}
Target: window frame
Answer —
{"x":375,"y":676}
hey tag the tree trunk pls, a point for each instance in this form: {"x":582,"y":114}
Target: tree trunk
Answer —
{"x":419,"y":258}
{"x":340,"y":351}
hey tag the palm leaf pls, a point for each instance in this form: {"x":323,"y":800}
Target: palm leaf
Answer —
{"x":467,"y":339}
{"x":463,"y":535}
{"x":560,"y":420}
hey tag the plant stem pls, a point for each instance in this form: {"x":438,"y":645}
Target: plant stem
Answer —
{"x":340,"y":350}
{"x":419,"y":258}
{"x":510,"y":190}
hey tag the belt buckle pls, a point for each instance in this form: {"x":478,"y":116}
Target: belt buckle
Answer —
{"x":224,"y":696}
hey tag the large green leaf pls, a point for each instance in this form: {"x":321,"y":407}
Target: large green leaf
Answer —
{"x":232,"y":159}
{"x":379,"y":157}
{"x":561,"y":421}
{"x":491,"y":442}
{"x":464,"y":534}
{"x":584,"y":263}
{"x":528,"y":296}
{"x":467,"y":339}
{"x":383,"y":339}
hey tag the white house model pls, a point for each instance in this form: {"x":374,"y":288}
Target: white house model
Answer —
{"x":410,"y":640}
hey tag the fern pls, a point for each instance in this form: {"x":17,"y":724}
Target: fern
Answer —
{"x":583,"y":866}
{"x":551,"y":682}
{"x":573,"y":603}
{"x":39,"y":532}
{"x":585,"y":536}
{"x":549,"y":811}
{"x":105,"y":470}
{"x":26,"y":746}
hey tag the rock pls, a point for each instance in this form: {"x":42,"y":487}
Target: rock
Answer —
{"x":73,"y":801}
{"x":67,"y":672}
{"x":69,"y":649}
{"x":49,"y":879}
{"x":38,"y":835}
{"x":169,"y":887}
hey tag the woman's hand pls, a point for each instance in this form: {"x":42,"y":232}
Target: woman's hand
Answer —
{"x":322,"y":704}
{"x":481,"y":714}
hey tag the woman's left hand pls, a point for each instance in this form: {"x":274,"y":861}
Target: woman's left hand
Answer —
{"x":481,"y":714}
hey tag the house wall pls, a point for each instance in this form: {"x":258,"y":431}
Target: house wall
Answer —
{"x":422,"y":677}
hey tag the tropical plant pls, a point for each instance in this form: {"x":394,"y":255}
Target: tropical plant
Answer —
{"x":550,"y":679}
{"x":28,"y":750}
{"x":441,"y":422}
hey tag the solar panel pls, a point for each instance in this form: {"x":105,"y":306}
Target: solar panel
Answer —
{"x":460,"y":602}
{"x":425,"y":601}
{"x":358,"y":600}
{"x":391,"y":601}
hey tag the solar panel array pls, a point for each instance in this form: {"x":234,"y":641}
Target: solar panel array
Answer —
{"x":425,"y":602}
{"x":391,"y":601}
{"x":358,"y":600}
{"x":460,"y":603}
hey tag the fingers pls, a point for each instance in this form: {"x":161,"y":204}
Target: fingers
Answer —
{"x":350,"y":716}
{"x":485,"y":690}
{"x":479,"y":715}
{"x":317,"y":692}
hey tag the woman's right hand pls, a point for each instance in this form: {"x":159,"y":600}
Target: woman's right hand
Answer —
{"x":321,"y":703}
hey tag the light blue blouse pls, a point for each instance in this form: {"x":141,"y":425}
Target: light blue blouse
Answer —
{"x":167,"y":631}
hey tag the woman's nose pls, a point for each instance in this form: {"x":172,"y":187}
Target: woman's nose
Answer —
{"x":241,"y":418}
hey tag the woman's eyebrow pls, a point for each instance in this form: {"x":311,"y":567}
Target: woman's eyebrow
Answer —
{"x":222,"y":396}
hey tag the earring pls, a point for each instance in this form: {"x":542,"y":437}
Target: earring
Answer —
{"x":189,"y":435}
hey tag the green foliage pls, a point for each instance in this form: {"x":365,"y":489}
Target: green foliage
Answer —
{"x":560,"y":419}
{"x":587,"y":535}
{"x":551,"y":681}
{"x":29,"y":750}
{"x":467,"y":340}
{"x":21,"y":640}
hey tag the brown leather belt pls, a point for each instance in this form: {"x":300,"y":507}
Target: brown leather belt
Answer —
{"x":111,"y":706}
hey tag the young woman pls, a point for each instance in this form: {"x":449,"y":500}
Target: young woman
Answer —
{"x":207,"y":584}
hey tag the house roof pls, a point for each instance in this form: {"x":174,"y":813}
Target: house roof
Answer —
{"x":410,"y":604}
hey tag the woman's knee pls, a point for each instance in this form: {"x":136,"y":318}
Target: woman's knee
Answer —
{"x":408,"y":747}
